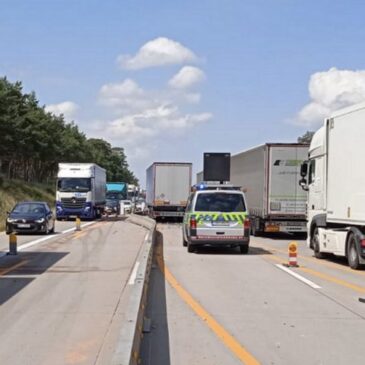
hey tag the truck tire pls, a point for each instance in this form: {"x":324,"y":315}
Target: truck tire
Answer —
{"x":254,"y":231}
{"x":315,"y":244}
{"x":352,"y":254}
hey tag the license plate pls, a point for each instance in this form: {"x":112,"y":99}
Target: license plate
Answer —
{"x":23,"y":225}
{"x":220,"y":224}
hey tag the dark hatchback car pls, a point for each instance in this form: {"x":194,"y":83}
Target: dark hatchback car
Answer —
{"x":30,"y":217}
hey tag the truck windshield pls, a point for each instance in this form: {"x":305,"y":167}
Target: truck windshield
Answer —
{"x":114,"y":195}
{"x":74,"y":184}
{"x":220,"y":202}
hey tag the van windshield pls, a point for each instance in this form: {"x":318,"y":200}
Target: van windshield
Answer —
{"x":220,"y":202}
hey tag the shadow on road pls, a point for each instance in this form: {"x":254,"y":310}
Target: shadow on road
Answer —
{"x":155,"y":348}
{"x":210,"y":250}
{"x":25,"y":263}
{"x":11,"y":286}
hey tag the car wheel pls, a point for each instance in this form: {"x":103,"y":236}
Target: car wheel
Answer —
{"x":352,"y":254}
{"x":190,"y":247}
{"x":244,"y":249}
{"x":185,"y":243}
{"x":8,"y":232}
{"x":315,"y":244}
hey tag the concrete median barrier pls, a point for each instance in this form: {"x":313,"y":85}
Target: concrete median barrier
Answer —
{"x":127,"y":351}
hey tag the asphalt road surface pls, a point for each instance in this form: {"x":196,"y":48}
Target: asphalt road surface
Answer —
{"x":217,"y":306}
{"x":62,"y":300}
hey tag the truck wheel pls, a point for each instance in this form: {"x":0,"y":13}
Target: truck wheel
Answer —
{"x":254,"y":231}
{"x":315,"y":244}
{"x":352,"y":254}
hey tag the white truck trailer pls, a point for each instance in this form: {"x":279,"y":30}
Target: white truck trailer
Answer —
{"x":81,"y":190}
{"x":268,"y":174}
{"x":334,"y":176}
{"x":168,"y":186}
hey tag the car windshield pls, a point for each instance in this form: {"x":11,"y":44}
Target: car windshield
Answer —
{"x":29,"y":208}
{"x":219,"y":202}
{"x":74,"y":184}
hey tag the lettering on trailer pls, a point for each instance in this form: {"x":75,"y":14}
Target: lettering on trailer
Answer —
{"x":293,"y":163}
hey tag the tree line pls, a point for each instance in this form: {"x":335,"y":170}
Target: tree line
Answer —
{"x":33,"y":141}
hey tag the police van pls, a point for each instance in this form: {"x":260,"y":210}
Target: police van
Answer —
{"x":216,"y":215}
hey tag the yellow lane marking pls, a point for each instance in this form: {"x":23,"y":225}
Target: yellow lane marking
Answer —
{"x":332,"y":279}
{"x":79,"y":234}
{"x":319,"y":262}
{"x":12,"y":268}
{"x":357,"y":288}
{"x":222,"y":334}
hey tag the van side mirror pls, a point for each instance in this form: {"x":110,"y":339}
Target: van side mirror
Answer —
{"x":304,"y":169}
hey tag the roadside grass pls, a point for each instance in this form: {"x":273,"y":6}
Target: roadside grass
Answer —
{"x":13,"y":191}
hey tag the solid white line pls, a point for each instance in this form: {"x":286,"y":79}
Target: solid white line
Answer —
{"x":299,"y":277}
{"x":39,"y":240}
{"x":132,"y":278}
{"x":146,"y":236}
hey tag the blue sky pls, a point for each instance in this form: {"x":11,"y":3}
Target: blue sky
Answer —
{"x":255,"y":71}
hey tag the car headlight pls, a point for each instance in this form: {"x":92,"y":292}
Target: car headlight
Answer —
{"x":87,"y":208}
{"x":40,"y":220}
{"x":10,"y":220}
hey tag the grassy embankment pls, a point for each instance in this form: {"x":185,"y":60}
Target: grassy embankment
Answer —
{"x":13,"y":191}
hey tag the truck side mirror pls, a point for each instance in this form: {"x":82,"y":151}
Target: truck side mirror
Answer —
{"x":304,"y":169}
{"x":303,"y":184}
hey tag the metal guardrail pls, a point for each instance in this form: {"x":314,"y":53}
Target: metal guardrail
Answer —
{"x":130,"y":336}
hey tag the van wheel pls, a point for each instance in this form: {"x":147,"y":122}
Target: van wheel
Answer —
{"x":352,"y":254}
{"x":315,"y":244}
{"x":190,"y":247}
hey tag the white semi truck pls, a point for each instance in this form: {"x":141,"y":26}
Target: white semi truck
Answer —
{"x":334,"y":176}
{"x":81,"y":190}
{"x":168,"y":185}
{"x":268,"y":174}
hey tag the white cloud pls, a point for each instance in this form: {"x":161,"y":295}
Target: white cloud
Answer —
{"x":125,"y":96}
{"x":67,"y":108}
{"x":331,"y":90}
{"x":158,"y":52}
{"x":187,"y":77}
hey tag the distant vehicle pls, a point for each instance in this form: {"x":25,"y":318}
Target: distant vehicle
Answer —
{"x":140,"y":206}
{"x":216,"y":215}
{"x":112,"y":206}
{"x":30,"y":217}
{"x":168,"y":186}
{"x":116,"y":190}
{"x":80,"y":190}
{"x":269,"y":177}
{"x":126,"y":207}
{"x":334,"y":177}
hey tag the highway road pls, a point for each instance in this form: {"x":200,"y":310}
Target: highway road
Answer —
{"x":217,"y":306}
{"x":62,"y":300}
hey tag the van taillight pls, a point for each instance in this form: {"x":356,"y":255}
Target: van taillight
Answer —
{"x":193,"y":223}
{"x":247,"y":224}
